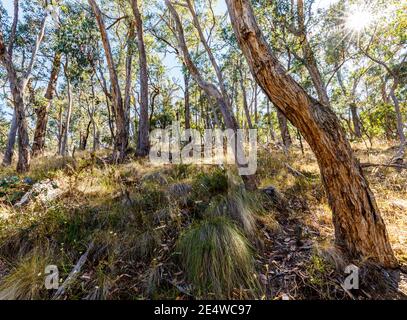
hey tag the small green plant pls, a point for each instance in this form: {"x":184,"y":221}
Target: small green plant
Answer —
{"x":217,"y":258}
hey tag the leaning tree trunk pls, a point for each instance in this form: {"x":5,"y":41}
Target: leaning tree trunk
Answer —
{"x":42,"y":111}
{"x":143,"y":143}
{"x":121,"y":135}
{"x":11,"y":141}
{"x":359,"y":227}
{"x":210,"y":89}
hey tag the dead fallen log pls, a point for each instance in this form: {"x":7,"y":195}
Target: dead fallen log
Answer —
{"x":45,"y":191}
{"x":390,"y":165}
{"x":73,"y":274}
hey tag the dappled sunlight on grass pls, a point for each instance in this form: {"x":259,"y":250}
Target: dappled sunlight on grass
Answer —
{"x":141,"y":217}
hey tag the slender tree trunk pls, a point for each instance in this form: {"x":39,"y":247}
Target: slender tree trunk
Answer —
{"x":121,"y":136}
{"x":64,"y":145}
{"x":42,"y":112}
{"x":11,"y":140}
{"x":357,"y":126}
{"x":359,"y":227}
{"x":83,"y":140}
{"x":209,"y":88}
{"x":399,"y":117}
{"x":356,"y":121}
{"x":60,"y":129}
{"x":186,"y":102}
{"x":17,"y":89}
{"x":143,"y":143}
{"x":256,"y":114}
{"x":129,"y":62}
{"x":23,"y":164}
{"x":269,"y":122}
{"x":215,"y":65}
{"x":244,"y":97}
{"x":285,"y":133}
{"x":309,"y":57}
{"x":17,"y":86}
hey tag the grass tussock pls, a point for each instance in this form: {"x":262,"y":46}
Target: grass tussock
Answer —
{"x":25,"y":281}
{"x":217,"y":258}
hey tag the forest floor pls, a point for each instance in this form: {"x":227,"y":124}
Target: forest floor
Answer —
{"x":137,"y":231}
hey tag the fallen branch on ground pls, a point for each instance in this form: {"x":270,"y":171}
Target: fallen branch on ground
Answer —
{"x":73,"y":274}
{"x":390,"y":165}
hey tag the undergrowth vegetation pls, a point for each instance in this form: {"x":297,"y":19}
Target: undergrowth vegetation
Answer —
{"x":181,"y":231}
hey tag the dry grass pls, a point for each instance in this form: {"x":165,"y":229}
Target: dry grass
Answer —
{"x":135,"y":213}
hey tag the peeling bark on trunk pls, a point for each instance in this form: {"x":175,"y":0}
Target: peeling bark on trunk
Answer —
{"x":42,"y":112}
{"x":143,"y":142}
{"x":359,"y":227}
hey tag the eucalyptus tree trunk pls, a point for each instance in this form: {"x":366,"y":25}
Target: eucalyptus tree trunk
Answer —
{"x":244,"y":97}
{"x":357,"y":126}
{"x":128,"y":85}
{"x":212,"y":59}
{"x":143,"y":143}
{"x":309,"y":57}
{"x":256,"y":113}
{"x":64,"y":144}
{"x":269,"y":122}
{"x":83,"y":139}
{"x":11,"y":141}
{"x":187,"y":105}
{"x":209,"y":88}
{"x":356,"y":121}
{"x":398,"y":158}
{"x":359,"y":227}
{"x":121,"y":135}
{"x":284,"y":132}
{"x":17,"y":87}
{"x":399,"y":117}
{"x":42,"y":111}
